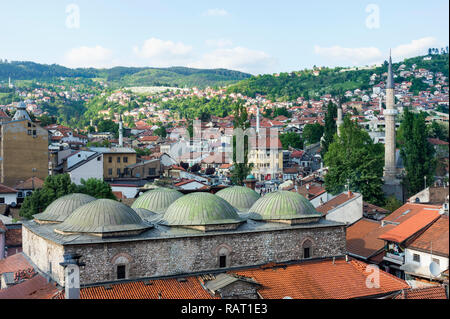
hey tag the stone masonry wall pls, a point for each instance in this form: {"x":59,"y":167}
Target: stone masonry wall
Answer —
{"x":162,"y":257}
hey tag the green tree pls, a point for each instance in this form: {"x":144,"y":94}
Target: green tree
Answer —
{"x":417,"y":153}
{"x":354,"y":160}
{"x":54,"y":187}
{"x":392,"y":204}
{"x":330,"y":128}
{"x":291,"y":139}
{"x":312,"y":133}
{"x":161,"y":132}
{"x":96,"y":188}
{"x":240,"y":170}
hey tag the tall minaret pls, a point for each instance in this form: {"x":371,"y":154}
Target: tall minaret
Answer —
{"x":120,"y":131}
{"x":257,"y":120}
{"x":389,"y":118}
{"x":339,"y":121}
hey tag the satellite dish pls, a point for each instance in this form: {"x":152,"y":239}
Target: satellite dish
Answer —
{"x":435,"y":269}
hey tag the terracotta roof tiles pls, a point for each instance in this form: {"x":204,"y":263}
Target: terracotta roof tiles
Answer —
{"x":437,"y":235}
{"x":437,"y":292}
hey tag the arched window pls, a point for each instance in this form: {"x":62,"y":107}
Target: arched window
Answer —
{"x":307,"y":248}
{"x":223,"y":252}
{"x":121,"y":266}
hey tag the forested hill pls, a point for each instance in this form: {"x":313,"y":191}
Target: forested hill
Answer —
{"x":311,"y":83}
{"x":123,"y":76}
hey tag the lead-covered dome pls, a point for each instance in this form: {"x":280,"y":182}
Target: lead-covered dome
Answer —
{"x":157,"y":200}
{"x":103,"y":217}
{"x":202,"y":211}
{"x":284,"y":206}
{"x":62,"y":207}
{"x":241,"y":198}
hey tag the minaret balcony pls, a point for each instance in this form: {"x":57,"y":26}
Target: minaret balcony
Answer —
{"x":390,"y":112}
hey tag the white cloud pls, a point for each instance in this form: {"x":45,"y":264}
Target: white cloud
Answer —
{"x":162,"y":53}
{"x":97,"y":57}
{"x":219,"y":43}
{"x":414,"y":48}
{"x":215,"y":13}
{"x":238,"y":58}
{"x":354,"y":56}
{"x":373,"y":55}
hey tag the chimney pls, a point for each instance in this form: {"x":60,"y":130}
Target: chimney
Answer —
{"x":349,"y":193}
{"x":71,"y":266}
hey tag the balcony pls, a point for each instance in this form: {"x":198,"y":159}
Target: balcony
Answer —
{"x":395,"y":258}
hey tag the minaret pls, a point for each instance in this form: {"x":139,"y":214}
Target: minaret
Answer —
{"x":120,"y":131}
{"x":389,"y":118}
{"x":257,"y":120}
{"x":339,"y":121}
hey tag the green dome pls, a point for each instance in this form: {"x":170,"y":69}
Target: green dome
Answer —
{"x":241,"y":198}
{"x":102,"y":216}
{"x":157,"y":200}
{"x":62,"y":207}
{"x":250,"y":177}
{"x":283,"y":205}
{"x":145,"y":214}
{"x":200,"y":209}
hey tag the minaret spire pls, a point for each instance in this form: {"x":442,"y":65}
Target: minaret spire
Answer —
{"x":120,"y":131}
{"x":390,"y":77}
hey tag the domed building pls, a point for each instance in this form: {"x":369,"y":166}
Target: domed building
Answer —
{"x":198,"y":232}
{"x":103,"y":218}
{"x":284,"y":207}
{"x":202,"y":211}
{"x":61,"y":208}
{"x":241,"y":198}
{"x":157,"y":200}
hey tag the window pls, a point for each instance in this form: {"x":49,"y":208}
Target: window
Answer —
{"x":118,"y":171}
{"x":29,"y":124}
{"x":118,"y":160}
{"x":2,"y":200}
{"x":110,"y":159}
{"x":125,"y":159}
{"x":307,"y":248}
{"x":99,"y":158}
{"x":121,"y":274}
{"x":306,"y":252}
{"x":109,"y":171}
{"x":222,"y":261}
{"x":152,"y":171}
{"x":34,"y":132}
{"x":416,"y":258}
{"x":29,"y":132}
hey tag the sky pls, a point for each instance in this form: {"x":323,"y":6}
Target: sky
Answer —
{"x":253,"y":36}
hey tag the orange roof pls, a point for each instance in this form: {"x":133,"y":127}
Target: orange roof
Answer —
{"x":321,"y":280}
{"x":35,"y":288}
{"x":7,"y":190}
{"x":14,"y":263}
{"x":157,"y":289}
{"x":408,"y":210}
{"x":436,"y":292}
{"x":411,"y":226}
{"x":362,"y":237}
{"x":335,"y":202}
{"x":435,"y":237}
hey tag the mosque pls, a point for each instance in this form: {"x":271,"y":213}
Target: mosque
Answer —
{"x":166,"y":233}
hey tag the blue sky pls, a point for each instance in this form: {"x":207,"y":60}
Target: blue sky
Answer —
{"x":250,"y":36}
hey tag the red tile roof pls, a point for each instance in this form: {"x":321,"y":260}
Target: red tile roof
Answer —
{"x":157,"y":289}
{"x":34,"y":288}
{"x":31,"y":183}
{"x":408,"y":210}
{"x":335,"y":202}
{"x":411,"y":226}
{"x":321,"y":280}
{"x":362,"y":237}
{"x":7,"y":190}
{"x":436,"y":237}
{"x":437,"y":292}
{"x":14,"y":263}
{"x":436,"y":141}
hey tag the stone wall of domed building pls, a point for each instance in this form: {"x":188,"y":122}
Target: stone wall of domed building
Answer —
{"x":163,"y":257}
